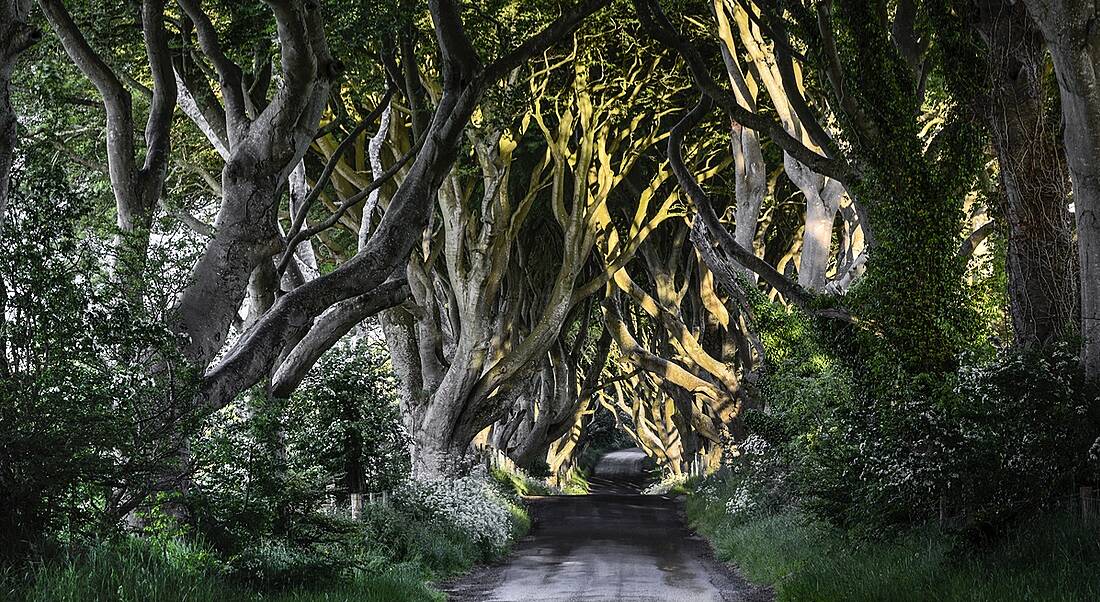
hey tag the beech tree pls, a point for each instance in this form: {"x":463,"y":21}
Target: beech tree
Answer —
{"x":1068,"y":27}
{"x":938,"y":174}
{"x":18,"y":35}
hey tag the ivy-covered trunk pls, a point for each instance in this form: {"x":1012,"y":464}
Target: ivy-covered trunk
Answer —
{"x":1070,"y":30}
{"x":1041,"y":256}
{"x":913,"y":188}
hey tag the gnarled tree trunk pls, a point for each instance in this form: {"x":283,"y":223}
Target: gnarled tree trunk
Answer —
{"x":1071,"y":31}
{"x":1041,"y":261}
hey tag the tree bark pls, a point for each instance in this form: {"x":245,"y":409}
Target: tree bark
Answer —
{"x":1072,"y":33}
{"x":1041,"y":261}
{"x":16,"y":36}
{"x":822,"y":203}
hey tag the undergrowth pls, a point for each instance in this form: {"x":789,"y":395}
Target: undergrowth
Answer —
{"x":1049,"y":558}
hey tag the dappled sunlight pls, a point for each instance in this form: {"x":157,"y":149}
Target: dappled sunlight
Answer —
{"x":567,"y":300}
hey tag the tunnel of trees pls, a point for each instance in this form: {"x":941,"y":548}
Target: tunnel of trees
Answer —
{"x":258,"y":259}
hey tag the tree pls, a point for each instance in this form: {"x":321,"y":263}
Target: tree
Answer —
{"x":913,"y":191}
{"x":18,"y":35}
{"x":137,"y":189}
{"x":1042,"y":266}
{"x":1069,"y":29}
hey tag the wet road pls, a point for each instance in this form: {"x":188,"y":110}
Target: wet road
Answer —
{"x":606,"y":547}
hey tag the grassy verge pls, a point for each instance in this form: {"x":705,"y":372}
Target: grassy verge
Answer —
{"x":392,"y":553}
{"x":1052,"y":558}
{"x":135,"y":570}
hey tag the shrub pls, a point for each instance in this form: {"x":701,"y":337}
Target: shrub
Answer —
{"x":471,"y":503}
{"x":81,"y":409}
{"x":866,"y":445}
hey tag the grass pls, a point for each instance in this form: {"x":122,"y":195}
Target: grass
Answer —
{"x":1052,"y":558}
{"x":392,"y":554}
{"x":576,"y":482}
{"x":519,"y":483}
{"x":133,"y":570}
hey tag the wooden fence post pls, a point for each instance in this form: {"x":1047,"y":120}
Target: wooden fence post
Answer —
{"x":356,"y":505}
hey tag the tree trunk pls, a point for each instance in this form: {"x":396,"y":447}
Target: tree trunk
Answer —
{"x":822,"y":203}
{"x":17,"y":35}
{"x":1041,"y":261}
{"x":1071,"y":31}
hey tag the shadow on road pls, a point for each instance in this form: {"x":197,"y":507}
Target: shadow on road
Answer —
{"x":613,"y":545}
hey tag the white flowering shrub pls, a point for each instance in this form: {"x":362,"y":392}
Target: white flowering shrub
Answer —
{"x":666,"y":485}
{"x":472,"y":504}
{"x":741,"y":503}
{"x":756,"y":478}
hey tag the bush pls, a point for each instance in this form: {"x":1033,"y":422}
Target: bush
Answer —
{"x":445,"y":525}
{"x":867,"y":446}
{"x":471,"y":503}
{"x":1049,"y":558}
{"x":81,"y":408}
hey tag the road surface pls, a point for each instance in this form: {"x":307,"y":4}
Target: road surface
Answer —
{"x":607,"y":547}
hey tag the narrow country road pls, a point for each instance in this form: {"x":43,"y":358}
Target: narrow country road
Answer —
{"x":612,"y":546}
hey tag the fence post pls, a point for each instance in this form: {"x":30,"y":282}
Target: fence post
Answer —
{"x":385,"y":497}
{"x":356,"y":505}
{"x":1087,"y":509}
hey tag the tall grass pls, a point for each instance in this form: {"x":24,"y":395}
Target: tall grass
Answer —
{"x":391,"y":553}
{"x":1051,"y":558}
{"x":133,"y":570}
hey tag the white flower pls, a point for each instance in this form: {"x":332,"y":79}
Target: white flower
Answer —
{"x":471,"y":503}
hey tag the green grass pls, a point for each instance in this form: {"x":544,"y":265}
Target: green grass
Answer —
{"x":576,"y":482}
{"x":1053,"y":558}
{"x":132,"y":570}
{"x":520,"y":484}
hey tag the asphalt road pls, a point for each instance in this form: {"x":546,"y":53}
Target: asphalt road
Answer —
{"x":607,"y":547}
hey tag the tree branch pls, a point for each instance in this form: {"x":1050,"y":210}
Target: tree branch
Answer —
{"x":652,"y":17}
{"x":329,"y":328}
{"x":791,"y":290}
{"x":229,"y":73}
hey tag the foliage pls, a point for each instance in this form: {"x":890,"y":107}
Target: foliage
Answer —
{"x":427,"y":530}
{"x":520,"y":482}
{"x":266,"y":465}
{"x":1046,"y":558}
{"x":348,"y":406}
{"x":133,"y":570}
{"x":867,"y":445}
{"x":271,"y":471}
{"x":86,"y":422}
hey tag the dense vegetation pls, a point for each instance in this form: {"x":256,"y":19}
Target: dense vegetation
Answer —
{"x":298,"y":299}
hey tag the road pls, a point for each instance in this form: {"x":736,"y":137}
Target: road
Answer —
{"x":612,"y":546}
